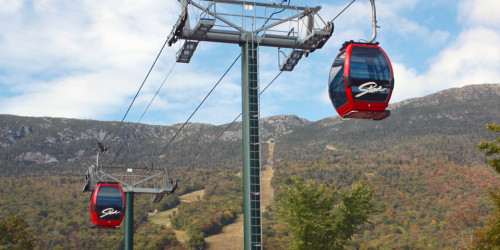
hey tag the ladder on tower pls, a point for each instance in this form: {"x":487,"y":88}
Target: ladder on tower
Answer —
{"x":254,"y":144}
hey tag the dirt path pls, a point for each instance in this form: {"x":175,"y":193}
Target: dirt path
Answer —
{"x":267,"y":175}
{"x":232,"y":236}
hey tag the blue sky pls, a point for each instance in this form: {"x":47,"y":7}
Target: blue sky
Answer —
{"x":87,"y":59}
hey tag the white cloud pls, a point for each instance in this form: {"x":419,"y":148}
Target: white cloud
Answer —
{"x":81,"y":96}
{"x":473,"y":57}
{"x":89,"y":34}
{"x":86,"y":59}
{"x":10,"y":6}
{"x":356,"y":23}
{"x":407,"y":83}
{"x":480,"y":12}
{"x":79,"y":59}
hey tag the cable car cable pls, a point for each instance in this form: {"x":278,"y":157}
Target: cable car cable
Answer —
{"x":157,"y":91}
{"x":210,"y":92}
{"x":217,"y":138}
{"x":149,"y":210}
{"x":343,"y":10}
{"x":276,"y":12}
{"x":61,"y":225}
{"x":204,"y":99}
{"x":185,"y":123}
{"x":143,"y":113}
{"x":180,"y":129}
{"x":135,"y":97}
{"x":140,"y":88}
{"x":228,"y":126}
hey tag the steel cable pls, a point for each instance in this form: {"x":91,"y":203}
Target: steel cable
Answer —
{"x":228,"y":126}
{"x":204,"y":99}
{"x":143,"y":113}
{"x":343,"y":10}
{"x":135,"y":97}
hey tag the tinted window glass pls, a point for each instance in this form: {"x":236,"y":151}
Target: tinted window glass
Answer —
{"x":109,"y":195}
{"x":369,"y":63}
{"x":336,"y":86}
{"x":109,"y":203}
{"x":371,"y":72}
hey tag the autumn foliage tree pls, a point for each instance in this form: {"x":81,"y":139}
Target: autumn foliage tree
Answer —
{"x":322,"y":218}
{"x":489,"y":236}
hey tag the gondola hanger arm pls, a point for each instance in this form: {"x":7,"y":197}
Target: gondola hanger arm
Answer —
{"x":374,"y":22}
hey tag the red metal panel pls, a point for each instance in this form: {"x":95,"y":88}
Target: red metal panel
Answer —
{"x":359,"y":106}
{"x":103,"y":221}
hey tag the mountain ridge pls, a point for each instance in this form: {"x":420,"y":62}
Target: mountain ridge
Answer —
{"x":435,"y":113}
{"x":422,"y":159}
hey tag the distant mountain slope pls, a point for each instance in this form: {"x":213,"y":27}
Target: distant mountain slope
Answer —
{"x":445,"y":124}
{"x":422,"y":160}
{"x":455,"y":117}
{"x":30,"y":143}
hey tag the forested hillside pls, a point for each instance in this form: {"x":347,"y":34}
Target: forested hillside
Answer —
{"x":431,"y":180}
{"x":447,"y":124}
{"x":422,"y":159}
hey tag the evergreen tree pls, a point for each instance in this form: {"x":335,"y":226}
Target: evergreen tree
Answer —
{"x":489,"y":236}
{"x":492,"y":147}
{"x":14,"y":234}
{"x":322,"y":218}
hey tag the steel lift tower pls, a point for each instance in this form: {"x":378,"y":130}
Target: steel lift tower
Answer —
{"x":296,"y":30}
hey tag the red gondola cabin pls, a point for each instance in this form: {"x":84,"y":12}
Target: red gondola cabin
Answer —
{"x":107,"y":206}
{"x":361,"y":81}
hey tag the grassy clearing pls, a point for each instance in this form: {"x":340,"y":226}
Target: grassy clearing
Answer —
{"x":163,"y":218}
{"x":193,"y":196}
{"x":231,"y":237}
